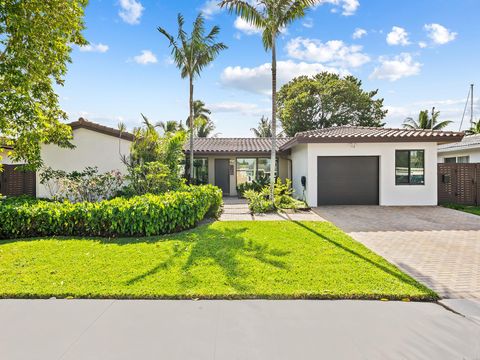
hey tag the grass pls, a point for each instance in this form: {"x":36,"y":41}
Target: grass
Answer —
{"x":219,"y":260}
{"x":466,"y":208}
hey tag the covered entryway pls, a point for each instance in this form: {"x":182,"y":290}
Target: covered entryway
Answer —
{"x":222,"y":175}
{"x":15,"y":181}
{"x":347,"y":180}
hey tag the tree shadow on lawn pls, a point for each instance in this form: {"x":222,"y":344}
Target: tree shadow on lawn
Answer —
{"x":222,"y":247}
{"x":397,"y":274}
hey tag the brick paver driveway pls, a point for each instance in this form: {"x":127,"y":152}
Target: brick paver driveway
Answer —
{"x":437,"y":246}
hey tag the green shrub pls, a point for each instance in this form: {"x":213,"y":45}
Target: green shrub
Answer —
{"x":137,"y":216}
{"x":259,"y":201}
{"x":256,"y":185}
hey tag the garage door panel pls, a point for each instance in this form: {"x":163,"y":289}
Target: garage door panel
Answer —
{"x":348,"y":180}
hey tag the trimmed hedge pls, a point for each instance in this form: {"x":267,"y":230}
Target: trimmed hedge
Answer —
{"x":145,"y":215}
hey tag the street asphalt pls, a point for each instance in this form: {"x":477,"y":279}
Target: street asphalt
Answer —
{"x":252,"y":329}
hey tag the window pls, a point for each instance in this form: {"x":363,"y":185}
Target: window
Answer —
{"x":249,"y":169}
{"x":200,"y":171}
{"x":463,"y":159}
{"x":450,"y":160}
{"x":246,"y":170}
{"x":410,"y":167}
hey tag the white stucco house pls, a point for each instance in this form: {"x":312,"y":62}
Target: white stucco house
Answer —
{"x":95,"y":145}
{"x":334,"y":166}
{"x":465,"y":151}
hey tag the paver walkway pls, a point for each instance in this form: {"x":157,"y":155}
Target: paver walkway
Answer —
{"x":254,"y":329}
{"x":439,"y":247}
{"x":235,"y":209}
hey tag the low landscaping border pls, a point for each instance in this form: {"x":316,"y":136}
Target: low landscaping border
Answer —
{"x":145,"y":215}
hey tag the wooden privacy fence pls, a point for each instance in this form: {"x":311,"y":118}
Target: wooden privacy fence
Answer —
{"x":459,"y":184}
{"x":15,"y":181}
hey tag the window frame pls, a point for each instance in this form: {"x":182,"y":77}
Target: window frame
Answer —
{"x":203,"y":158}
{"x":256,"y":158}
{"x":409,"y":183}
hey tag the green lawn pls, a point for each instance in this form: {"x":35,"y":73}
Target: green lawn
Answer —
{"x":469,"y":209}
{"x":218,"y":260}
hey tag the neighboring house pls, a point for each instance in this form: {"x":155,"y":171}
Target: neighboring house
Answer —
{"x":95,"y":145}
{"x":334,"y":166}
{"x":465,"y":151}
{"x":339,"y":166}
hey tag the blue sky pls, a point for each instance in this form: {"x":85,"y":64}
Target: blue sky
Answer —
{"x":418,"y":53}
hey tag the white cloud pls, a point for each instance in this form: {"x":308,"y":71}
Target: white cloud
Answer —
{"x":308,"y":23}
{"x":398,"y":36}
{"x":101,"y":48}
{"x":395,"y":68}
{"x":359,"y":33}
{"x":245,"y":27}
{"x":146,"y":57}
{"x":131,"y":11}
{"x":258,"y":79}
{"x":333,"y":52}
{"x":439,"y":34}
{"x":422,"y":44}
{"x":349,"y":7}
{"x":210,"y":8}
{"x":237,"y":107}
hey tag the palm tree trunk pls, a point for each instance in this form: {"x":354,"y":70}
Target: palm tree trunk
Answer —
{"x":274,"y":122}
{"x":190,"y":170}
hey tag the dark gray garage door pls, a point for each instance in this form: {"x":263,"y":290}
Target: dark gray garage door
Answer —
{"x":347,"y":180}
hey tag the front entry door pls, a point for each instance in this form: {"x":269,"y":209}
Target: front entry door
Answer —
{"x":222,"y":175}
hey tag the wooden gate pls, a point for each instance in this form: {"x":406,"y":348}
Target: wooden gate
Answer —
{"x":459,"y":184}
{"x":15,"y":181}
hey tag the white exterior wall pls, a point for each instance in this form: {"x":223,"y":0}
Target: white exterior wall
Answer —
{"x":299,"y":158}
{"x":390,"y":194}
{"x":91,"y":149}
{"x":473,"y":153}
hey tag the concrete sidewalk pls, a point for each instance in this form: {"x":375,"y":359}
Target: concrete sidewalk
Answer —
{"x":115,"y":329}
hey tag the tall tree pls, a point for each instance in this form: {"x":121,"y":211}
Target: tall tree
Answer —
{"x":36,"y":37}
{"x":170,"y":126}
{"x":325,"y":100}
{"x":205,"y":128}
{"x":475,"y":129}
{"x":264,"y":128}
{"x":192,"y":53}
{"x":271,"y":17}
{"x":426,"y":120}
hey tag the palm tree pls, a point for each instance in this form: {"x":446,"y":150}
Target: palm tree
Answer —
{"x":475,"y":129}
{"x":169,"y":126}
{"x":271,"y":16}
{"x":425,"y":121}
{"x":204,"y":128}
{"x":199,"y":112}
{"x":264,"y":128}
{"x":192,"y":54}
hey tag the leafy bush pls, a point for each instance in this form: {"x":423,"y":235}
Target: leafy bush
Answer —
{"x":85,"y":185}
{"x":154,"y":161}
{"x":259,"y":201}
{"x":137,"y":216}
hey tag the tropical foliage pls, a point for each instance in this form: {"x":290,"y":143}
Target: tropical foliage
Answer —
{"x":154,"y":161}
{"x":203,"y":125}
{"x":258,"y":200}
{"x":191,"y":54}
{"x":264,"y":128}
{"x":325,"y":100}
{"x":271,"y":17}
{"x":86,"y":185}
{"x":474,"y":129}
{"x":138,"y":216}
{"x":426,"y":120}
{"x":36,"y":38}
